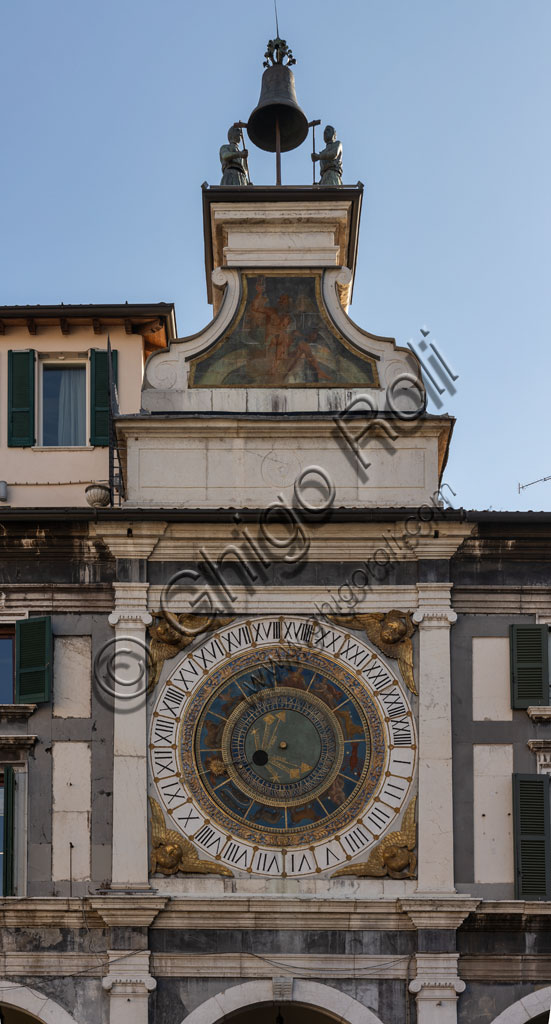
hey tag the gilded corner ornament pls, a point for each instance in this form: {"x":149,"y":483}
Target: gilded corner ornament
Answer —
{"x":169,"y":634}
{"x":391,"y":632}
{"x":393,"y":856}
{"x":171,"y":852}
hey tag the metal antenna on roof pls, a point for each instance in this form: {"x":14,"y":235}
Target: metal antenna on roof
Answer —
{"x":542,"y":480}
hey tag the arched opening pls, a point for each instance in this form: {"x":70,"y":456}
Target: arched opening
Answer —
{"x":22,"y":1005}
{"x":287,"y":1013}
{"x":254,"y":1001}
{"x":534,"y":1008}
{"x":11,"y":1015}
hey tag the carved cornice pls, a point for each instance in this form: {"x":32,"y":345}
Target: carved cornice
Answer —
{"x":127,"y":912}
{"x":542,"y":750}
{"x":539,"y":714}
{"x":45,"y":598}
{"x":280,"y":913}
{"x":358,"y":542}
{"x":15,"y":712}
{"x":15,"y":749}
{"x":500,"y":600}
{"x":129,"y":539}
{"x":248,"y":965}
{"x":438,"y":912}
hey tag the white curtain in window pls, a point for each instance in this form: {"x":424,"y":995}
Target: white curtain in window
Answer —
{"x":71,"y":424}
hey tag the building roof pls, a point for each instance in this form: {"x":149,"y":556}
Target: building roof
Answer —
{"x":134,"y":316}
{"x":341,"y":514}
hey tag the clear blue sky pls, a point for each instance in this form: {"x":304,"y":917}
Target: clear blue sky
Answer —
{"x":113,"y":114}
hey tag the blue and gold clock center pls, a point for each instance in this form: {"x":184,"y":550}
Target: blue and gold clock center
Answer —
{"x":281,"y":745}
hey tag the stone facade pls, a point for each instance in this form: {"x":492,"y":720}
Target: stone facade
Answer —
{"x":93,"y":928}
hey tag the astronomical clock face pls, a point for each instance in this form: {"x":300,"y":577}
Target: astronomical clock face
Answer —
{"x":282,"y":747}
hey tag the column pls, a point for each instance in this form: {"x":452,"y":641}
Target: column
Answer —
{"x":128,"y":980}
{"x":437,"y":983}
{"x":129,"y":984}
{"x":127,"y":674}
{"x":435,"y":802}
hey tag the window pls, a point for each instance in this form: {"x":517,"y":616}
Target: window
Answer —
{"x":26,"y":661}
{"x":7,"y":787}
{"x":33,"y":660}
{"x":529,"y":666}
{"x":7,"y":664}
{"x":72,"y":397}
{"x":63,"y":419}
{"x":532,"y":837}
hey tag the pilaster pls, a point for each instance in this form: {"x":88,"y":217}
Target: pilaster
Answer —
{"x":434,"y":616}
{"x":437,"y":982}
{"x":129,"y":984}
{"x":125,"y":677}
{"x":128,"y":979}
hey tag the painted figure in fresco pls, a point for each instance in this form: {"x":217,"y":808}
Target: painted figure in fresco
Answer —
{"x":302,"y":352}
{"x":281,"y":339}
{"x":330,"y":158}
{"x":234,"y":160}
{"x":256,"y":313}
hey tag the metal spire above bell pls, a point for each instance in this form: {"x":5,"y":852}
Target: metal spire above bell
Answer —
{"x":277,"y":123}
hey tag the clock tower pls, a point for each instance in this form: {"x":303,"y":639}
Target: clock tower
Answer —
{"x":289,"y":577}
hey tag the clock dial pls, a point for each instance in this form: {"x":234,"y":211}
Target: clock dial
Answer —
{"x":277,"y":755}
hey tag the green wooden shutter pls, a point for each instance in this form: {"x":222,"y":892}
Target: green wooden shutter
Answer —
{"x":7,"y":867}
{"x":529,"y":666}
{"x":99,"y":395}
{"x":21,"y":433}
{"x":33,"y":660}
{"x":532,"y":837}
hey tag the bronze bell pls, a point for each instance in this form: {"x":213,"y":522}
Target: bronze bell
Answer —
{"x":277,"y":107}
